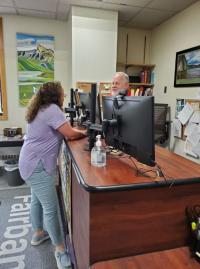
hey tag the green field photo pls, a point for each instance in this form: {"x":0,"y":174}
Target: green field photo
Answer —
{"x":188,"y":81}
{"x":35,"y":64}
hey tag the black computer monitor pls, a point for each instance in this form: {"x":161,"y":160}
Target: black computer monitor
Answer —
{"x":71,"y":110}
{"x":129,"y":126}
{"x":89,"y":103}
{"x":85,"y":100}
{"x":98,"y":111}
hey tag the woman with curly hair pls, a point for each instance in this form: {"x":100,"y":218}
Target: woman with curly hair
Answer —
{"x":46,"y":128}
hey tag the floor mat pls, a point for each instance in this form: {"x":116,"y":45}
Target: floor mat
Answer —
{"x":15,"y":234}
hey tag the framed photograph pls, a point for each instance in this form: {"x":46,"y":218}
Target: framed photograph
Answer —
{"x":3,"y":96}
{"x":35,"y":56}
{"x":187,"y":68}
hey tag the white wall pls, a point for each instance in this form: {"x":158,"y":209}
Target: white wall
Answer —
{"x":94,"y":44}
{"x":93,"y":51}
{"x":14,"y":24}
{"x":178,"y":33}
{"x":136,"y":45}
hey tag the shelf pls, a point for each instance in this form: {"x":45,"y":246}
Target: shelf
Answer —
{"x":142,"y":84}
{"x":149,"y":66}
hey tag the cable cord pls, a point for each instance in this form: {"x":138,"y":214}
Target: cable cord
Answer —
{"x":142,"y":171}
{"x":158,"y":172}
{"x":161,"y":174}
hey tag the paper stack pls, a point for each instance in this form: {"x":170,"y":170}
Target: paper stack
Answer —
{"x":185,"y":114}
{"x":192,"y":143}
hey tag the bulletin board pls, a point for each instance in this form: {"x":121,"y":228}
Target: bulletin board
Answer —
{"x":180,"y":103}
{"x":187,"y":125}
{"x":195,"y":104}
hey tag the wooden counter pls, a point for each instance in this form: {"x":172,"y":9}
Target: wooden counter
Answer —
{"x":115,"y":213}
{"x":120,"y":172}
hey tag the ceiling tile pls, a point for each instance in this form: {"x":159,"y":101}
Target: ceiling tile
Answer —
{"x":7,"y":10}
{"x":6,"y":3}
{"x":149,"y":18}
{"x":41,"y":5}
{"x":145,"y":14}
{"x":85,"y":3}
{"x":139,"y":3}
{"x":141,"y":25}
{"x":175,"y":5}
{"x":125,"y":13}
{"x":36,"y":13}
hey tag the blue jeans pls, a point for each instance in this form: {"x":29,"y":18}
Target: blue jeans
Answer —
{"x":44,"y":204}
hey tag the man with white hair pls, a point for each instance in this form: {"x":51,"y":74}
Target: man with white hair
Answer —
{"x":120,"y":82}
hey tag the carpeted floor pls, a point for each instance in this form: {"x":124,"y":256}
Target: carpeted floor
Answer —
{"x":15,"y":234}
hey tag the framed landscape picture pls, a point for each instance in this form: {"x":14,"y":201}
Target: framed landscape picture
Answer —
{"x":3,"y":96}
{"x":35,"y":55}
{"x":187,"y":68}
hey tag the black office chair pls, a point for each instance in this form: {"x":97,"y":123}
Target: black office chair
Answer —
{"x":161,"y":124}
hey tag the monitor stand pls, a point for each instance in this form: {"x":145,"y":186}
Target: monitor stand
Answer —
{"x":93,"y":131}
{"x":91,"y":142}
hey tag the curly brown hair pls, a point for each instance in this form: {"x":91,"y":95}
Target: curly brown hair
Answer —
{"x":49,"y":93}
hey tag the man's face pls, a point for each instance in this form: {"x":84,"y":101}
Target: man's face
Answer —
{"x":118,"y":84}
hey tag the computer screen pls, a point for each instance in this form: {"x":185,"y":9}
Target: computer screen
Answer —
{"x":84,"y":99}
{"x":129,"y":126}
{"x":85,"y":104}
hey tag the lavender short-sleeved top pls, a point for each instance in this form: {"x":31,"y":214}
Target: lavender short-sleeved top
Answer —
{"x":42,"y":141}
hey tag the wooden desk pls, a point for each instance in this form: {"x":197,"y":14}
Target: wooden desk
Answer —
{"x":178,"y":258}
{"x":116,"y":213}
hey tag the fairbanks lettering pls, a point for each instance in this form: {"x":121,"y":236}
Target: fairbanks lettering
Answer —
{"x":25,"y":220}
{"x":20,"y":207}
{"x":11,"y":250}
{"x":10,"y":247}
{"x":19,"y":260}
{"x":17,"y":231}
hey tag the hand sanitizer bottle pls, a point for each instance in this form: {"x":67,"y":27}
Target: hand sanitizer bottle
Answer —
{"x":98,"y":153}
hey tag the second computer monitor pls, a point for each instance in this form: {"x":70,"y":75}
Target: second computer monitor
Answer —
{"x":85,"y":104}
{"x":129,"y":126}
